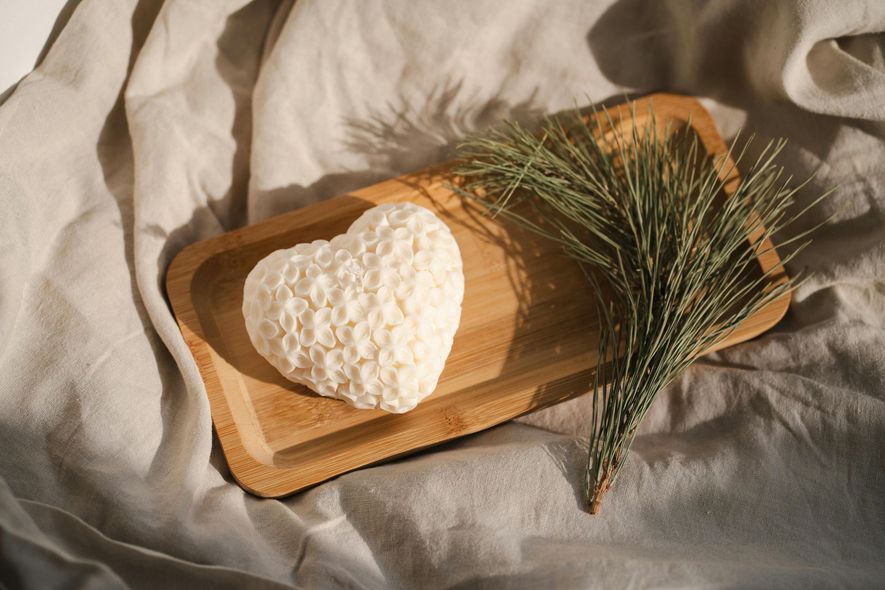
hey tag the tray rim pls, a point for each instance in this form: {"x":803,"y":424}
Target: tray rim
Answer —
{"x":262,"y":479}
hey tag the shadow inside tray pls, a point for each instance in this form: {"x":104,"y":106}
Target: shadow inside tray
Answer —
{"x":217,"y":287}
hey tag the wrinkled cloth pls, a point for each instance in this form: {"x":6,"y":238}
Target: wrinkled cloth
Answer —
{"x":150,"y":125}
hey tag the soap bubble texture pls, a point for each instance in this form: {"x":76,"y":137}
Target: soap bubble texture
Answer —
{"x":368,"y":317}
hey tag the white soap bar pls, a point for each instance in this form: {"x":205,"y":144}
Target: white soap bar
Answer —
{"x":367,"y":317}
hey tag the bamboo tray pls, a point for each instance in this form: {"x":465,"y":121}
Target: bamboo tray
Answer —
{"x":526,"y":339}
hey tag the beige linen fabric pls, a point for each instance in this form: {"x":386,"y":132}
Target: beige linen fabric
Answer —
{"x":150,"y":125}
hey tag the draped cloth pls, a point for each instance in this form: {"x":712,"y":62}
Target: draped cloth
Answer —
{"x":150,"y":125}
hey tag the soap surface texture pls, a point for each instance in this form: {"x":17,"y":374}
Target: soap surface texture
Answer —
{"x":367,"y":317}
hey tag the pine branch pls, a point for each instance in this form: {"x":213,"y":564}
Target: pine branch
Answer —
{"x":666,"y":254}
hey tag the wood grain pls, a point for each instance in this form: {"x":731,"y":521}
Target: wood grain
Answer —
{"x":526,"y":340}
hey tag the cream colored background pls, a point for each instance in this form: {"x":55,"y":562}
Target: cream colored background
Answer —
{"x":149,"y":126}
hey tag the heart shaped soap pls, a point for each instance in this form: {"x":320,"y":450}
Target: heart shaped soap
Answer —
{"x":367,"y":317}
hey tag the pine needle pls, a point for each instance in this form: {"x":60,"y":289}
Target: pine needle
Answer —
{"x":666,"y":253}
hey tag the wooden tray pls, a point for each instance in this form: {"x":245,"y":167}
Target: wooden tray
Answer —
{"x":526,"y":338}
